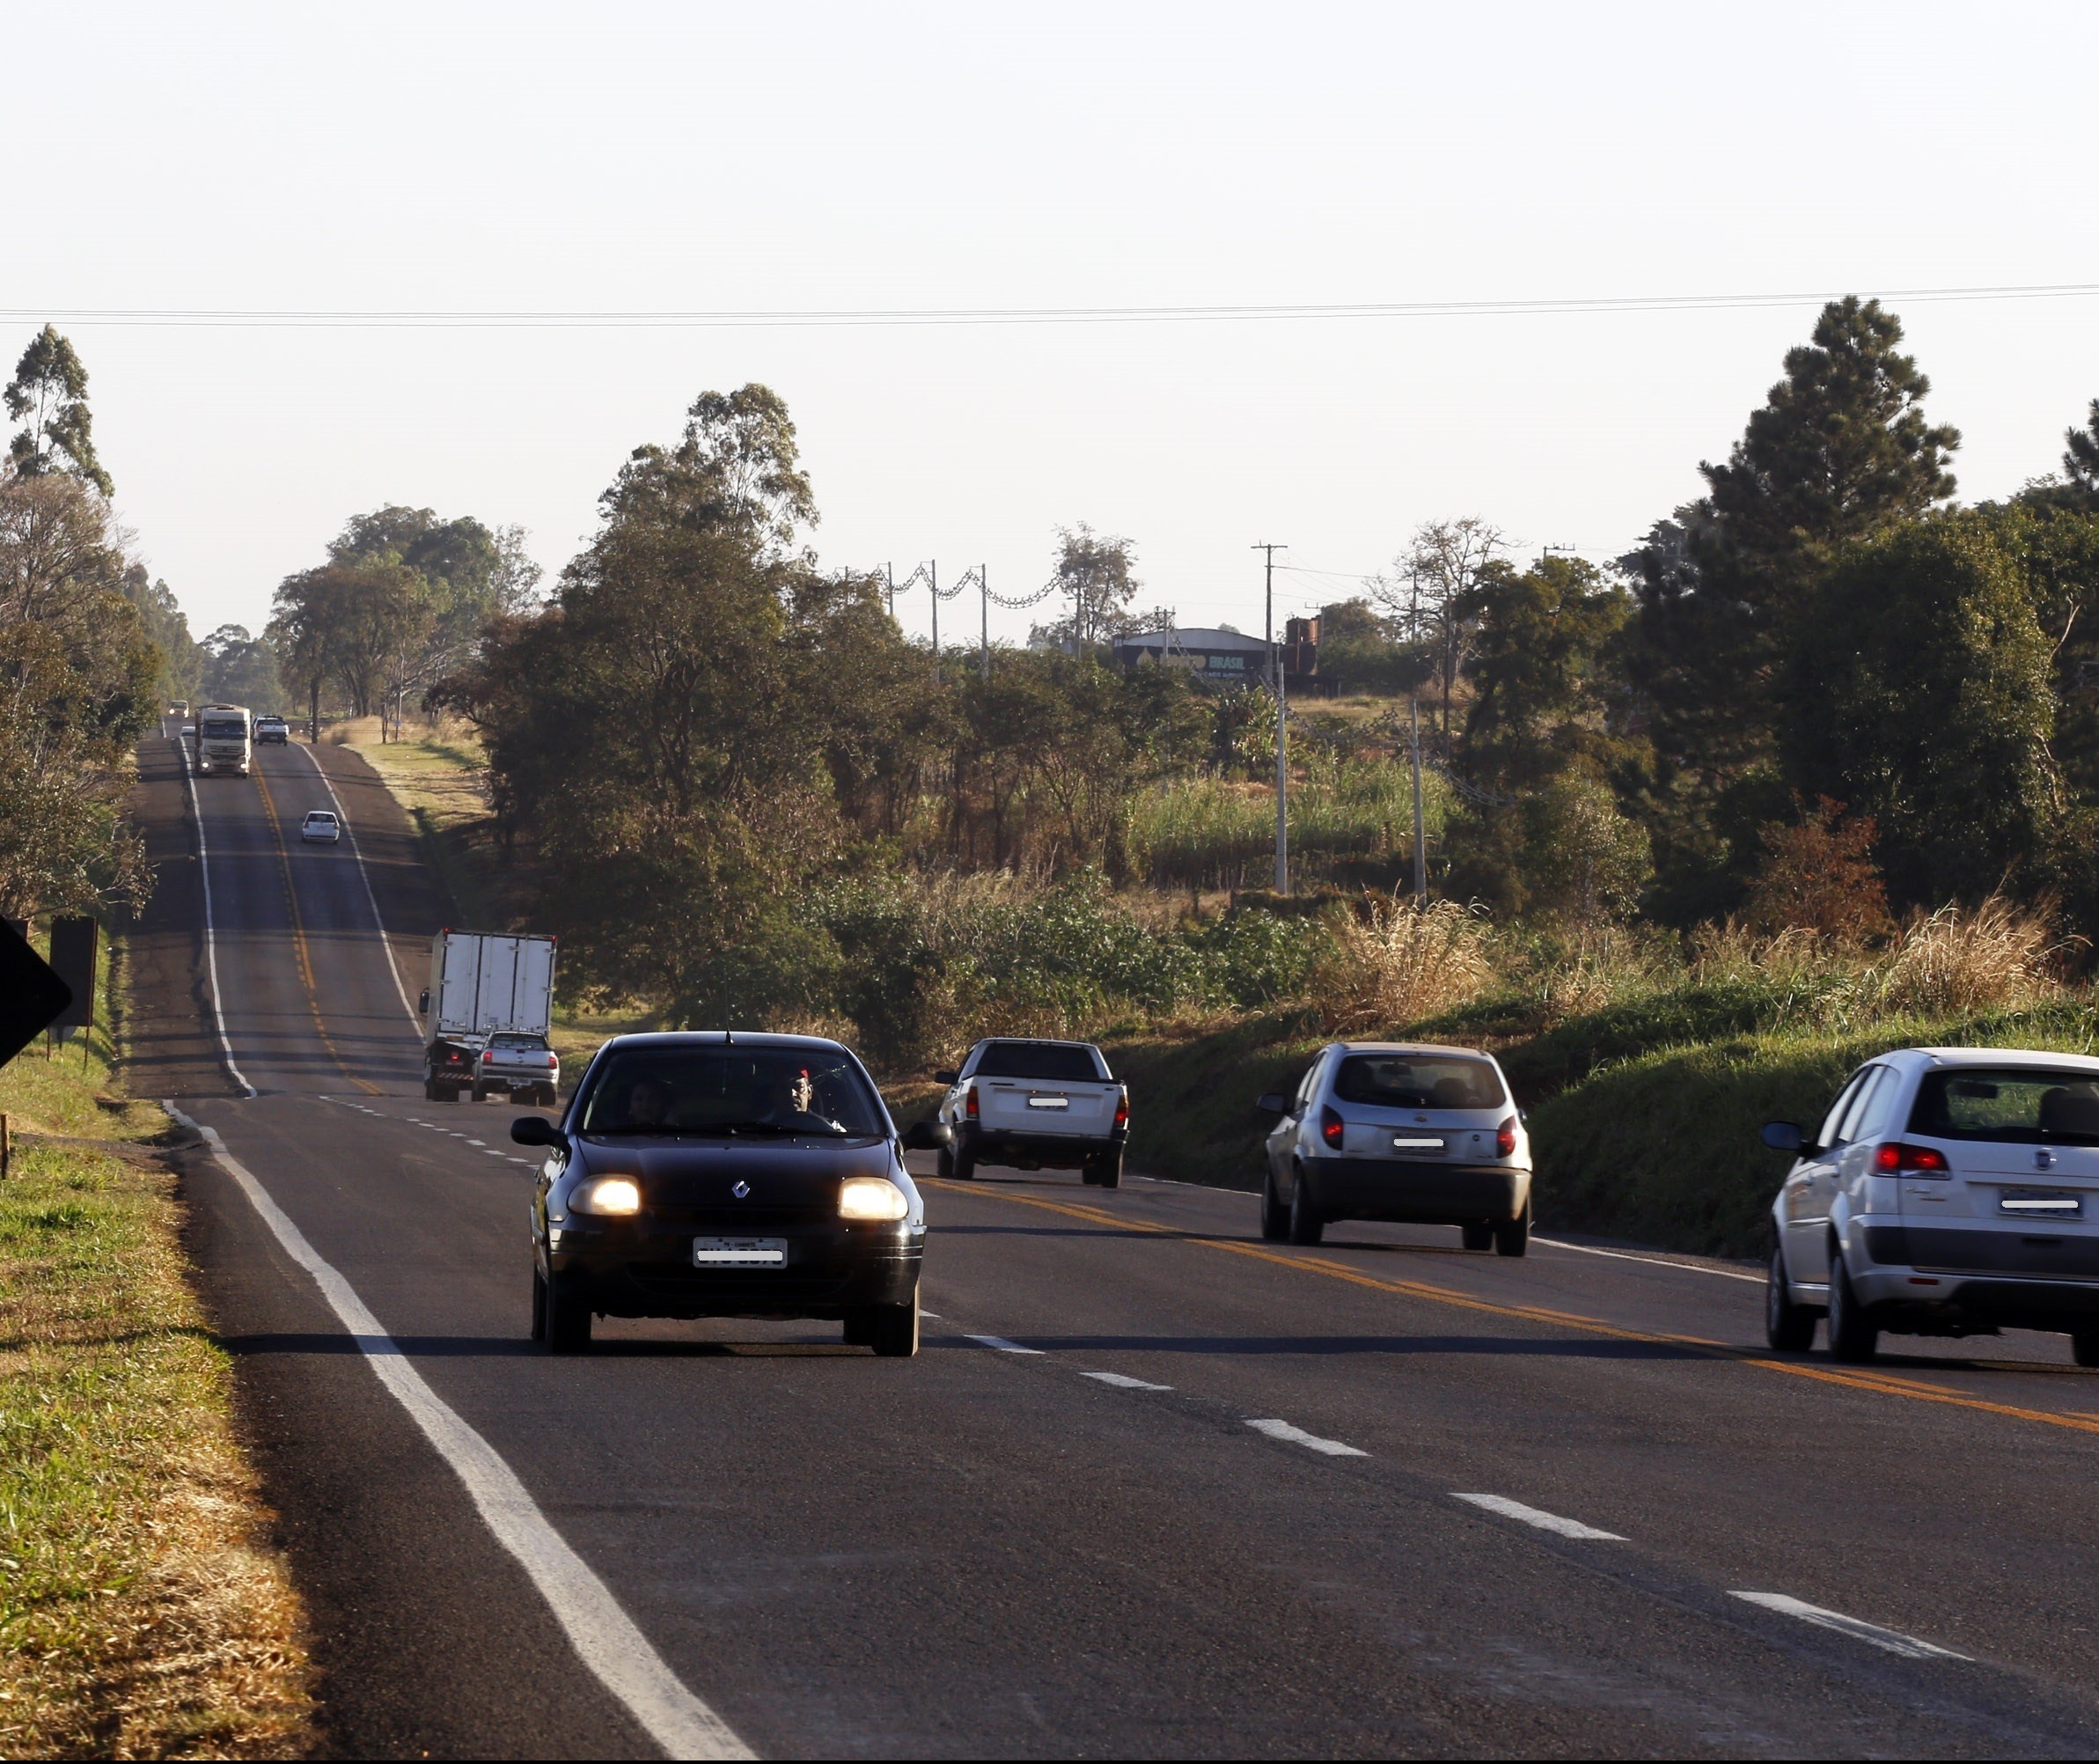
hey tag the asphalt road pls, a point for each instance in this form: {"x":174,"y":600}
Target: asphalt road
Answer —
{"x":1153,"y":1487}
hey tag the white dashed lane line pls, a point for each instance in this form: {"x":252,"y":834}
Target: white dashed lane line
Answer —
{"x":477,"y":1141}
{"x":1311,"y":1442}
{"x":1892,"y":1640}
{"x":1533,"y":1516}
{"x":1124,"y":1384}
{"x":1001,"y":1344}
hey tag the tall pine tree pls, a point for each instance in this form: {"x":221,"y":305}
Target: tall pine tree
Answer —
{"x":1839,"y":451}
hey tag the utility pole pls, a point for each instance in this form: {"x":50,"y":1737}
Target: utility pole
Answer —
{"x":934,"y":574}
{"x":1282,"y":732}
{"x":984,"y":591}
{"x":1414,"y":730}
{"x":889,"y":576}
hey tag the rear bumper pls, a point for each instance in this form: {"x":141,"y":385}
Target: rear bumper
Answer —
{"x":1403,"y":1192}
{"x":1953,"y":1280}
{"x":1051,"y":1150}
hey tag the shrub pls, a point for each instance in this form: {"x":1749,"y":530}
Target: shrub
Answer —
{"x":2001,"y":955}
{"x":1396,"y":964}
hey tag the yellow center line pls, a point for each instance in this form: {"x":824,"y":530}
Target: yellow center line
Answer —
{"x":299,"y":938}
{"x":1880,"y":1383}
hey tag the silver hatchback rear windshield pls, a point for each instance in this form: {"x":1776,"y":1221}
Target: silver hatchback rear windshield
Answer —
{"x":1418,"y":1081}
{"x":2012,"y":1105}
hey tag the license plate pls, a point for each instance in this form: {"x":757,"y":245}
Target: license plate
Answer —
{"x":1409,"y":1145}
{"x":1049,"y":1102}
{"x":739,"y":1252}
{"x":2041,"y":1204}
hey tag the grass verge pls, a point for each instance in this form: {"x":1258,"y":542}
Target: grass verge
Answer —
{"x":142,"y":1610}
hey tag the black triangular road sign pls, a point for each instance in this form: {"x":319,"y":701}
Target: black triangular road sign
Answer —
{"x":32,"y":996}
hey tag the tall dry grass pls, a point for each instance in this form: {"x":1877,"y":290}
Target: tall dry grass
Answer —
{"x":1396,"y":964}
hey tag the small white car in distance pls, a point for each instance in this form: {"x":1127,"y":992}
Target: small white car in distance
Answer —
{"x":320,"y":827}
{"x":1949,"y":1191}
{"x":1415,"y":1135}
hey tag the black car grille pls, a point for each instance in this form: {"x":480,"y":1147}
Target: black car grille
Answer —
{"x":743,"y":1221}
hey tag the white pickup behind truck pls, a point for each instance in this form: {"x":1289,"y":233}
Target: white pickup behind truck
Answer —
{"x":485,"y":1015}
{"x":1035,"y":1106}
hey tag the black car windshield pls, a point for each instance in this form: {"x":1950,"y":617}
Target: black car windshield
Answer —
{"x":1418,"y":1081}
{"x":1060,"y":1060}
{"x":2014,"y":1104}
{"x":733,"y":1091}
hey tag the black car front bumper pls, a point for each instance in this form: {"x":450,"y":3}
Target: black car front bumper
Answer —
{"x":637,"y":1268}
{"x":1401,"y":1191}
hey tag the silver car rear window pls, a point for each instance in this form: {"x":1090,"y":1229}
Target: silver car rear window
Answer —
{"x":1418,"y":1081}
{"x":2012,"y":1105}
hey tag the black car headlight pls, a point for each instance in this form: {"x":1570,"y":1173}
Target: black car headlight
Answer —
{"x":871,"y":1197}
{"x":618,"y":1197}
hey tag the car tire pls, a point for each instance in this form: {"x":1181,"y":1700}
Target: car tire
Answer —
{"x":1275,"y":1223}
{"x":1788,"y":1326}
{"x":943,"y":1163}
{"x":892,"y":1329}
{"x":964,"y":1164}
{"x":1852,"y":1337}
{"x":860,"y":1329}
{"x":2084,"y":1347}
{"x":539,"y":1304}
{"x":480,"y":1095}
{"x":1478,"y":1239}
{"x":1513,"y":1237}
{"x":430,"y":1091}
{"x":1306,"y":1225}
{"x":1105,"y":1172}
{"x":568,"y":1317}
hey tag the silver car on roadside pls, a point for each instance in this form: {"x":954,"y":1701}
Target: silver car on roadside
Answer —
{"x":1948,"y":1191}
{"x":1412,"y":1133}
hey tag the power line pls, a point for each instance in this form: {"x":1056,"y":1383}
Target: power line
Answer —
{"x":795,"y":317}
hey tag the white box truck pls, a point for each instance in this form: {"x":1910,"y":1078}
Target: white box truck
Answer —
{"x":225,"y":740}
{"x":485,"y":1017}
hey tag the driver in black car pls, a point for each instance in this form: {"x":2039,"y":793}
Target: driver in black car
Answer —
{"x":792,"y":1102}
{"x":648,"y":1104}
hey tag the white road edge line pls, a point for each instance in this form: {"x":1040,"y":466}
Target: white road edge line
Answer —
{"x":364,"y":877}
{"x":1654,"y":1260}
{"x":603,"y":1634}
{"x":218,"y":1009}
{"x":1121,"y":1383}
{"x":1893,"y":1640}
{"x":1001,"y":1344}
{"x":1533,"y":1516}
{"x":1297,"y":1436}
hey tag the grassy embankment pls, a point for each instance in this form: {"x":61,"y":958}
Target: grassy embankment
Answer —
{"x":142,"y":1610}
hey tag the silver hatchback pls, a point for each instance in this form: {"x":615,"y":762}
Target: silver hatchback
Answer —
{"x":1949,"y":1191}
{"x":1411,"y":1133}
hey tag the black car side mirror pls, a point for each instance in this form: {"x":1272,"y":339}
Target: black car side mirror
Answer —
{"x":944,"y":1077}
{"x":1784,"y":1135}
{"x":1274,"y":1102}
{"x":927,"y":1135}
{"x":423,"y":1004}
{"x":535,"y":1129}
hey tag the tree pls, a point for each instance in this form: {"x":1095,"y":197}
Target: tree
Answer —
{"x":1920,"y":691}
{"x":1096,"y":574}
{"x":1839,"y":451}
{"x":736,"y":470}
{"x":240,"y":669}
{"x":2082,"y":458}
{"x":49,"y":390}
{"x":1817,"y":874}
{"x":167,"y":629}
{"x":1544,"y":699}
{"x":1441,"y":568}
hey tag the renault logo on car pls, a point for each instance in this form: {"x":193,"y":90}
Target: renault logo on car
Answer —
{"x":741,"y":1190}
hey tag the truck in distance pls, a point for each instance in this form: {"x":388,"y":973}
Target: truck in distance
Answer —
{"x":226,"y":739}
{"x":486,"y":1013}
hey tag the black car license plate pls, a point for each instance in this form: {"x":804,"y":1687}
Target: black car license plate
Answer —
{"x":739,"y":1252}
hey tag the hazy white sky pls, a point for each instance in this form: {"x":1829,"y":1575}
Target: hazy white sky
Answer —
{"x":654,"y":157}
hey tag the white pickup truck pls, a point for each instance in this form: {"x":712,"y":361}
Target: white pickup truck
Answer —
{"x":1035,"y":1106}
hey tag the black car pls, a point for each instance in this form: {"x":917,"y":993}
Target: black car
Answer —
{"x":727,"y":1175}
